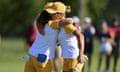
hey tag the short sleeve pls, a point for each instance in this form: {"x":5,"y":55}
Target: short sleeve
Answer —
{"x":69,"y":28}
{"x":53,"y":24}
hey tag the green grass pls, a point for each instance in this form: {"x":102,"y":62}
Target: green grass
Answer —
{"x":12,"y":51}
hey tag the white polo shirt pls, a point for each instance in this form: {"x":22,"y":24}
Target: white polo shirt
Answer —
{"x":45,"y":44}
{"x":68,"y":42}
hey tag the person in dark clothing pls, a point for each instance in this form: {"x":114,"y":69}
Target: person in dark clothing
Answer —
{"x":88,"y":32}
{"x":105,"y":47}
{"x":115,"y":33}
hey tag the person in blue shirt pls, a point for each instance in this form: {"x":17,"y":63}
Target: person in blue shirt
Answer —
{"x":88,"y":31}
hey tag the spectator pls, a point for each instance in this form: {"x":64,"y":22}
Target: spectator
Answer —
{"x":76,"y":22}
{"x":31,"y":35}
{"x":105,"y":45}
{"x":88,"y":31}
{"x":115,"y":34}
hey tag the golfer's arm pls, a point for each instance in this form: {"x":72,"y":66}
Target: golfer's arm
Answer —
{"x":80,"y":37}
{"x":69,"y":28}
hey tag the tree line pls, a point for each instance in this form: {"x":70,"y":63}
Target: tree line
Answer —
{"x":17,"y":15}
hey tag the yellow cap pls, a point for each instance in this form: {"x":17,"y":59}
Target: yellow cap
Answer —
{"x":53,"y":7}
{"x":48,"y":5}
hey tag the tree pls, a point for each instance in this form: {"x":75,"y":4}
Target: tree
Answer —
{"x":17,"y":15}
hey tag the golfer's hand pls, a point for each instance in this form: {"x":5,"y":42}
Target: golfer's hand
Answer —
{"x":83,"y":58}
{"x":65,"y":21}
{"x":69,"y":20}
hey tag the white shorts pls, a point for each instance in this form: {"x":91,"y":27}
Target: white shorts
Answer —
{"x":106,"y":46}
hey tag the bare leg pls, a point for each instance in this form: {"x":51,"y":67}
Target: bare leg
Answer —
{"x":57,"y":62}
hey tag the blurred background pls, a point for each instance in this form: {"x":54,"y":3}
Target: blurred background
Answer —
{"x":16,"y":16}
